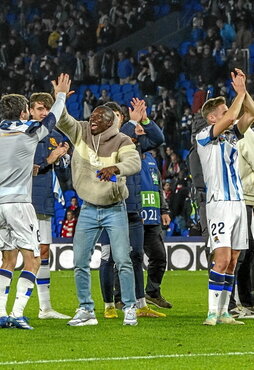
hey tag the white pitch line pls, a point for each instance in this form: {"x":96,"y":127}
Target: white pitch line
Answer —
{"x":97,"y":359}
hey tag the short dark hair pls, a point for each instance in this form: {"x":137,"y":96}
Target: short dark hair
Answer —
{"x":42,"y":98}
{"x":114,"y":106}
{"x":12,"y":105}
{"x":211,"y":104}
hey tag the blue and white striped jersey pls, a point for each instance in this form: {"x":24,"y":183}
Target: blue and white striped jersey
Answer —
{"x":219,"y":160}
{"x":18,"y":142}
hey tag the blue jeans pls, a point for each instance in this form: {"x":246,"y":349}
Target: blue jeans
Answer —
{"x":92,"y":220}
{"x":136,"y":233}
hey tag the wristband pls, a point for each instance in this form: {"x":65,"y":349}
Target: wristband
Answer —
{"x":145,"y":122}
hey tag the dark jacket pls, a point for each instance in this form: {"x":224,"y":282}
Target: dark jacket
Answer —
{"x":42,"y":191}
{"x":153,"y":138}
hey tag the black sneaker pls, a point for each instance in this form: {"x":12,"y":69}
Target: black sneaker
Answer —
{"x":158,"y":301}
{"x":119,"y":305}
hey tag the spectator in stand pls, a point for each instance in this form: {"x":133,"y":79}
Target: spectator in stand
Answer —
{"x":169,"y":114}
{"x":147,"y":78}
{"x":166,"y":161}
{"x":105,"y":33}
{"x":69,"y":225}
{"x":108,"y":67}
{"x":122,"y":29}
{"x":220,"y":57}
{"x":199,"y":97}
{"x":79,"y":73}
{"x":197,"y":33}
{"x":104,"y":98}
{"x":235,"y":58}
{"x":74,"y":207}
{"x":211,"y":36}
{"x":227,"y":33}
{"x":191,"y":64}
{"x":243,"y":36}
{"x":89,"y":103}
{"x":144,"y":12}
{"x":125,"y":69}
{"x":167,"y":190}
{"x":174,"y":167}
{"x":167,"y":74}
{"x":207,"y":66}
{"x":92,"y":67}
{"x":185,"y":128}
{"x":68,"y":61}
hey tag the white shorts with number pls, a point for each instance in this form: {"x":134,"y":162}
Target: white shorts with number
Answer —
{"x":45,"y":230}
{"x":227,"y":224}
{"x":19,"y":227}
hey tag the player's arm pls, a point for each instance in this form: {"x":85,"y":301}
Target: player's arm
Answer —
{"x":248,"y":117}
{"x":61,"y":89}
{"x":71,"y":127}
{"x":233,"y":112}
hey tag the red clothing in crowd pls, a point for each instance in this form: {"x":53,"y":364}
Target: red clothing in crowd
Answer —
{"x":68,"y":228}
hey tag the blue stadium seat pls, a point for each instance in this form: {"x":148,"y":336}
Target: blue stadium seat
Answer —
{"x":184,"y":47}
{"x":117,"y":97}
{"x":136,"y":91}
{"x":60,"y":214}
{"x":72,"y":99}
{"x":82,"y":89}
{"x":68,"y":194}
{"x":127,"y":88}
{"x":95,"y":89}
{"x":128,"y":97}
{"x":58,"y":205}
{"x":115,"y":89}
{"x":105,"y":87}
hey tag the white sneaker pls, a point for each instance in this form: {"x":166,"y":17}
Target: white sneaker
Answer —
{"x":211,"y":319}
{"x":130,"y":316}
{"x":226,"y":318}
{"x":52,"y":314}
{"x":82,"y":318}
{"x":241,"y":312}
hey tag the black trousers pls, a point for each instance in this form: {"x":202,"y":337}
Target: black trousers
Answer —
{"x":244,"y":272}
{"x":155,"y":251}
{"x":245,"y":275}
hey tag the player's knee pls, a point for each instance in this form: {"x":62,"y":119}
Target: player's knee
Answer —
{"x":221,"y":265}
{"x":137,"y":257}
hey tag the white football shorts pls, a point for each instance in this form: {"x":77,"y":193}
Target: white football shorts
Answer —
{"x":227,"y":224}
{"x":45,"y":230}
{"x":19,"y":227}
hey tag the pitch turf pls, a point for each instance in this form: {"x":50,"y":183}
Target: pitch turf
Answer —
{"x":179,"y":341}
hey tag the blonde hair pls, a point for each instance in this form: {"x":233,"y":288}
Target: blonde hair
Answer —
{"x":211,"y":104}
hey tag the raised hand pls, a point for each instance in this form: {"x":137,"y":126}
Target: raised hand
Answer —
{"x":62,"y":85}
{"x":139,"y":110}
{"x":238,"y":83}
{"x":240,"y":73}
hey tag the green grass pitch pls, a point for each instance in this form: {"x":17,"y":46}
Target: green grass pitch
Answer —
{"x":179,"y":341}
